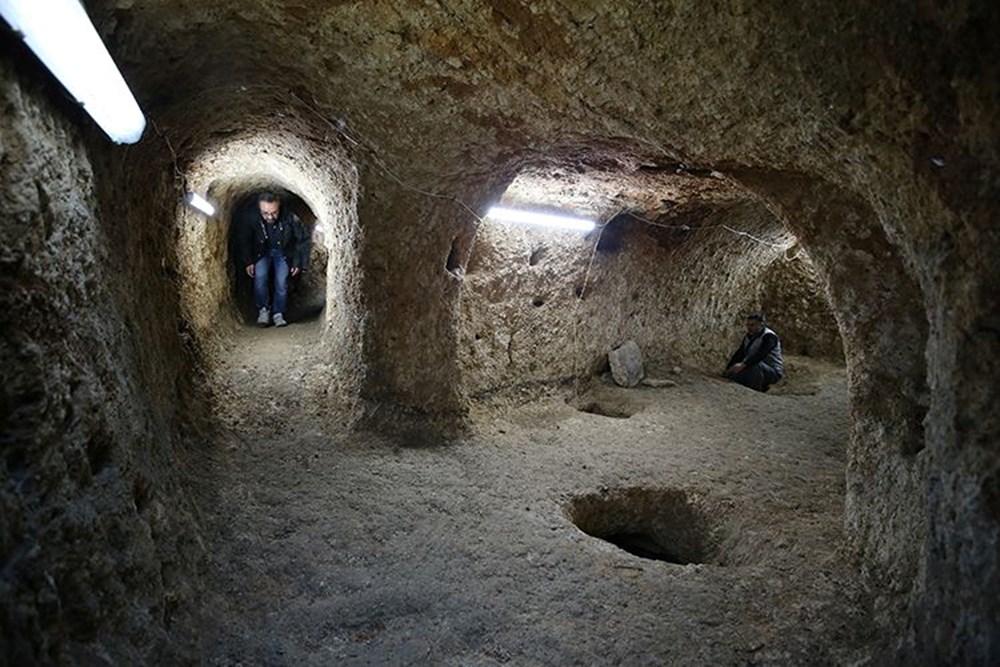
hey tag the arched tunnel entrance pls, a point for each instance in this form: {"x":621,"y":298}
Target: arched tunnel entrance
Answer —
{"x":317,"y":181}
{"x":307,"y":294}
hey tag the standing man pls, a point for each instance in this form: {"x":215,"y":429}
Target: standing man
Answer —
{"x":757,"y":363}
{"x":275,"y":243}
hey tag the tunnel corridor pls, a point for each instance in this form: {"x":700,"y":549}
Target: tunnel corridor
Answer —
{"x":432,"y":463}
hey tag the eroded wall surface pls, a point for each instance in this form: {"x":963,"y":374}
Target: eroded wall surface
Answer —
{"x":793,"y":295}
{"x":545,"y":306}
{"x":98,"y":546}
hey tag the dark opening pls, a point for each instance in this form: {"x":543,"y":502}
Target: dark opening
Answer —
{"x":453,"y":262}
{"x":644,"y":546}
{"x":306,"y":293}
{"x":141,"y":492}
{"x":658,"y":524}
{"x":537,"y":254}
{"x":608,"y":409}
{"x":98,"y":450}
{"x":612,"y":238}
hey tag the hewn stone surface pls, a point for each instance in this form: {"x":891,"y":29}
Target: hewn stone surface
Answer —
{"x":675,"y":263}
{"x":864,"y":132}
{"x":790,"y":293}
{"x":97,"y":544}
{"x":658,"y":383}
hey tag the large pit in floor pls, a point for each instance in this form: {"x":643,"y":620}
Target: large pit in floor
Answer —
{"x":670,"y":525}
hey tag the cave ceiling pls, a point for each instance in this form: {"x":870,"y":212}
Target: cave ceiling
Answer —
{"x":465,"y":85}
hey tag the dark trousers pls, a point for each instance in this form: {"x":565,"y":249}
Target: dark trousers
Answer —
{"x":758,"y":377}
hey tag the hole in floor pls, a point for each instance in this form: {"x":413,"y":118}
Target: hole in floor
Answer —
{"x":669,"y":525}
{"x":608,"y":409}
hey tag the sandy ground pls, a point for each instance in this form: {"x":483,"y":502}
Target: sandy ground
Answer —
{"x":331,"y":546}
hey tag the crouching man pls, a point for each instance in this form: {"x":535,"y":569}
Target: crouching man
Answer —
{"x":757,"y":363}
{"x":277,"y":244}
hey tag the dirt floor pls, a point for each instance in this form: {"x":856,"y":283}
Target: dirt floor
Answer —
{"x":333,"y":546}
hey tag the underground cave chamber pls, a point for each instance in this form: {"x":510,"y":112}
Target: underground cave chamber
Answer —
{"x":835,"y":168}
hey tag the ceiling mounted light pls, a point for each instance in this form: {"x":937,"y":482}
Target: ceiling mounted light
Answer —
{"x":556,"y":221}
{"x":200,"y":203}
{"x":62,"y":36}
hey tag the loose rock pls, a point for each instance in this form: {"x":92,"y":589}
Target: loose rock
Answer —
{"x":626,"y":364}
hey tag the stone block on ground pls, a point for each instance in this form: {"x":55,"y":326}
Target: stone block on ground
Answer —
{"x":626,"y":364}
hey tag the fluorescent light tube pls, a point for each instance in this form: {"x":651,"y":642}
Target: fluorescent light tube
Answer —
{"x":62,"y":36}
{"x":200,"y":203}
{"x":541,"y":219}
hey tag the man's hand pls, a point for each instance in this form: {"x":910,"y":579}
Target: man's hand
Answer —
{"x":735,"y":368}
{"x":250,"y":270}
{"x":295,"y":271}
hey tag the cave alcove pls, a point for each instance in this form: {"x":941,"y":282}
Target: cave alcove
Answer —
{"x":675,"y":263}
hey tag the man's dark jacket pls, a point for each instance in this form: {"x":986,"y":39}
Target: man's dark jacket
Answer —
{"x":290,"y":234}
{"x":767,"y":351}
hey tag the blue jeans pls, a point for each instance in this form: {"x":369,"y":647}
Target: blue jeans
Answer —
{"x":261,"y":273}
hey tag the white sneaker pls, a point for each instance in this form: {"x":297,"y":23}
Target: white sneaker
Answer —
{"x":279,"y":321}
{"x":263,"y":316}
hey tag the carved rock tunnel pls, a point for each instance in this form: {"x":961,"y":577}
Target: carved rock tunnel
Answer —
{"x":835,"y":167}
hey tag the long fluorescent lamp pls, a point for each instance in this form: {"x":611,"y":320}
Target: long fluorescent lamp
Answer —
{"x":200,"y":203}
{"x":540,"y":219}
{"x":62,"y":36}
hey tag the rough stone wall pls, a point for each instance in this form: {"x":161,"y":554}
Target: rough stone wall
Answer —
{"x":97,"y":545}
{"x":543,"y":306}
{"x":877,"y":303}
{"x":710,"y":280}
{"x":519,"y":306}
{"x":411,"y":305}
{"x":794,"y":298}
{"x":945,"y":220}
